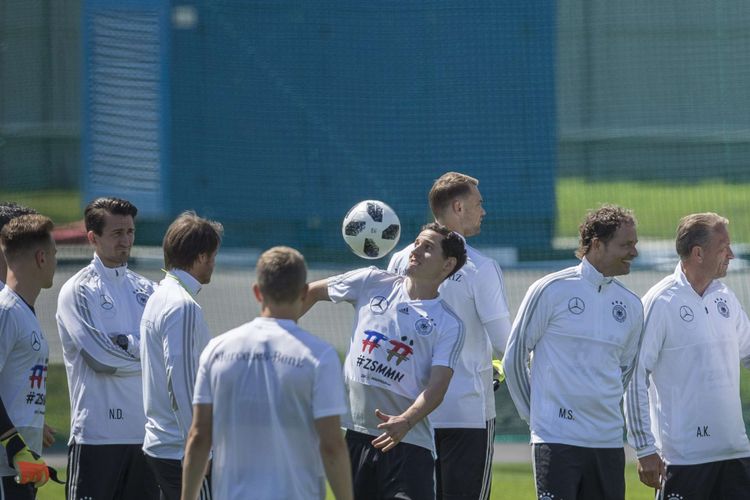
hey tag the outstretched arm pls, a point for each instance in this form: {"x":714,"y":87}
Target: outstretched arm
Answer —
{"x":395,"y":427}
{"x":316,"y":291}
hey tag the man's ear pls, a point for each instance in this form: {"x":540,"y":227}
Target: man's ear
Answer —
{"x":305,"y":290}
{"x":40,"y":257}
{"x":91,"y":236}
{"x":449,"y":264}
{"x":697,"y":253}
{"x":256,"y":292}
{"x":457,"y":205}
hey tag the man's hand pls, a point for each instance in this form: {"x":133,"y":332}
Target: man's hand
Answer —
{"x":48,"y":436}
{"x":29,"y":466}
{"x":395,"y":428}
{"x":498,"y":374}
{"x":651,"y":470}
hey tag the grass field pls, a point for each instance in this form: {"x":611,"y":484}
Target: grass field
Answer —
{"x":658,"y":206}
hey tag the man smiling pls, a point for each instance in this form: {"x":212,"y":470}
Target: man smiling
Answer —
{"x":583,"y":327}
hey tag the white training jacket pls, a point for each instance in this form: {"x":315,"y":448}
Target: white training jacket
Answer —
{"x":476,"y":293}
{"x":583,"y":329}
{"x":173,"y":335}
{"x":684,"y":398}
{"x":96,"y":307}
{"x":24,"y":355}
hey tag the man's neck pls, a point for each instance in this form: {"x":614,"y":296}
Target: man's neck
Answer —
{"x":421,"y":290}
{"x":277,"y":311}
{"x":27,"y":291}
{"x":452,"y":226}
{"x":697,"y":280}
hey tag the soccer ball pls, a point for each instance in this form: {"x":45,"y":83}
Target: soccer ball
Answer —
{"x":371,"y":229}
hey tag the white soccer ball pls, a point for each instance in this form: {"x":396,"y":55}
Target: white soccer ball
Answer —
{"x":371,"y":229}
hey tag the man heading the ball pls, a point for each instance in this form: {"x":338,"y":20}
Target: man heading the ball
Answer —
{"x":465,"y":421}
{"x":405,"y":344}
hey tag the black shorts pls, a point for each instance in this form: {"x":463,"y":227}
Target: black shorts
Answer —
{"x":575,"y":472}
{"x":406,"y":471}
{"x":463,"y":469}
{"x":168,"y":474}
{"x":10,"y":490}
{"x":108,"y":471}
{"x":723,"y":480}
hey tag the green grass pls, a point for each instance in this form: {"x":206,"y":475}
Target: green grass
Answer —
{"x":62,"y":206}
{"x":657,"y":206}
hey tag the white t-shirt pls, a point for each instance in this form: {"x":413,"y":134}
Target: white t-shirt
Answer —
{"x":583,"y":329}
{"x":173,"y":335}
{"x":476,"y":293}
{"x":95,"y":306}
{"x":268,"y":381}
{"x":395,"y":343}
{"x":684,"y":397}
{"x":24,"y":356}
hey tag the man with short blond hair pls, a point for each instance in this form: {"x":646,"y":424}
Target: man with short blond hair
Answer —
{"x":465,"y":421}
{"x":173,"y":335}
{"x":274,"y":389}
{"x":30,"y":253}
{"x":8,"y":211}
{"x":683,"y":405}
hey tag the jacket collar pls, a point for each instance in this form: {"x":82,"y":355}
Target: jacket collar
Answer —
{"x":186,"y":280}
{"x":590,"y":274}
{"x":112,"y":273}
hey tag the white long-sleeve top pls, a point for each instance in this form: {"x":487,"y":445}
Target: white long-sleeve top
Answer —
{"x":476,"y":293}
{"x":106,"y":397}
{"x":23,"y":371}
{"x":684,"y":397}
{"x":583,"y":330}
{"x":173,"y":335}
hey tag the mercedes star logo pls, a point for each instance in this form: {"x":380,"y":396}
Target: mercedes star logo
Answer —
{"x":686,"y":314}
{"x":576,"y":305}
{"x":378,"y":304}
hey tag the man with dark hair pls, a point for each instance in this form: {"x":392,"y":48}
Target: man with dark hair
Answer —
{"x":30,"y":253}
{"x":583,"y":328}
{"x":173,"y":335}
{"x":465,"y":420}
{"x":405,"y":344}
{"x":8,"y":211}
{"x":683,"y":405}
{"x":269,"y":396}
{"x":98,"y":316}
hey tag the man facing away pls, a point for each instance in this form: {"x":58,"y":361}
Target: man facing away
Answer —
{"x":173,"y":335}
{"x":98,"y":317}
{"x":30,"y":254}
{"x":583,"y":328}
{"x":9,"y":211}
{"x":683,"y":403}
{"x":465,"y":421}
{"x":269,"y":396}
{"x":405,"y":343}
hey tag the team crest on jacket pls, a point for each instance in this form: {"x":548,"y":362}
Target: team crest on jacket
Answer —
{"x":686,"y":314}
{"x":722,"y":307}
{"x":424,"y":326}
{"x":618,"y":311}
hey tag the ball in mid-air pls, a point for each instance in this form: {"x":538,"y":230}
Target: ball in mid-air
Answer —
{"x":371,"y":229}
